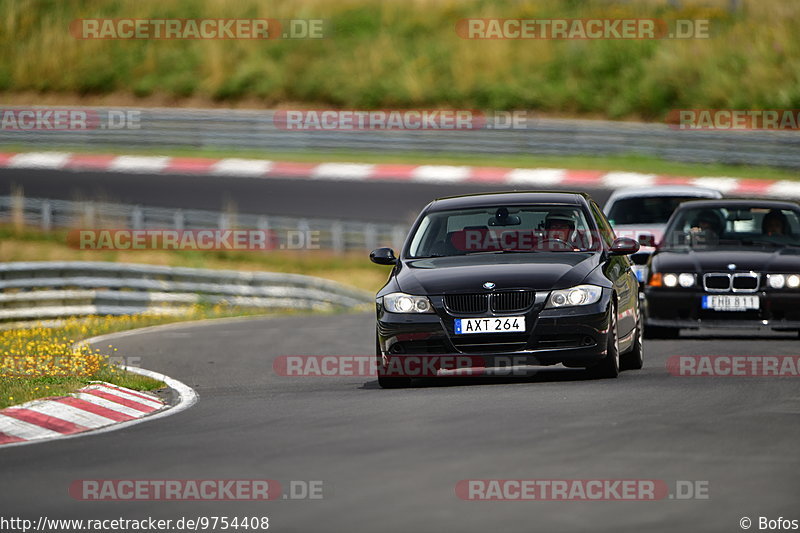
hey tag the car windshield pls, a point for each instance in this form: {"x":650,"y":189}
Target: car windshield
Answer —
{"x":503,"y":229}
{"x":711,"y":227}
{"x":645,"y":209}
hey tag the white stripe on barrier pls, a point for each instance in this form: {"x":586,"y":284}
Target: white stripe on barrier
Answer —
{"x":108,"y":404}
{"x":722,"y":184}
{"x":39,"y":160}
{"x":342,"y":171}
{"x":135,"y":163}
{"x":242,"y":167}
{"x":69,"y":413}
{"x":628,"y":179}
{"x":440,"y":174}
{"x":24,"y":430}
{"x":536,"y":176}
{"x":785,"y":189}
{"x":148,"y":402}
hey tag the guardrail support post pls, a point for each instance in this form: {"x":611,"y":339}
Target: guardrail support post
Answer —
{"x":47,"y":216}
{"x":370,"y":236}
{"x":177,"y":220}
{"x":337,"y":237}
{"x":137,"y":218}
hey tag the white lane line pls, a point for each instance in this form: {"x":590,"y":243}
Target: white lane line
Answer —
{"x":135,"y":163}
{"x":241,"y":167}
{"x":69,"y":413}
{"x":342,"y":171}
{"x":628,"y":179}
{"x":155,"y":404}
{"x":440,"y":174}
{"x":39,"y":160}
{"x":536,"y":176}
{"x":24,"y":430}
{"x":108,"y":404}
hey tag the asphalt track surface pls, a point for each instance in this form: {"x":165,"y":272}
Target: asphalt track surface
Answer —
{"x":390,"y":459}
{"x":395,"y":202}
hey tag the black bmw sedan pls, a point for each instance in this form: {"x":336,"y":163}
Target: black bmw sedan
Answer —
{"x":509,"y":280}
{"x":726,"y":264}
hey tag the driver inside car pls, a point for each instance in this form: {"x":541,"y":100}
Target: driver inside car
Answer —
{"x":559,"y":227}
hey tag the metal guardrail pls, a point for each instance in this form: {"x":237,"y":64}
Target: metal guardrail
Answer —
{"x":336,"y":235}
{"x":234,"y":129}
{"x":253,"y":130}
{"x":41,"y":290}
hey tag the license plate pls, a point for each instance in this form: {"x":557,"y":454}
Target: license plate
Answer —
{"x":641,"y":272}
{"x":508,"y":324}
{"x":730,"y":302}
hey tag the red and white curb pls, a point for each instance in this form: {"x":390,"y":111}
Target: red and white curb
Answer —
{"x":96,"y":408}
{"x":511,"y":177}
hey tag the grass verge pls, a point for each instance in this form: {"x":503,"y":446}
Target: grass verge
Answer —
{"x":351,"y":268}
{"x":43,"y":360}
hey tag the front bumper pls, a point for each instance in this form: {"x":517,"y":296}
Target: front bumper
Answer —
{"x":675,"y":308}
{"x":574,"y":336}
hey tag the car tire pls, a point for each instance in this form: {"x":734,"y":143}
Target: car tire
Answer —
{"x":634,"y":360}
{"x":608,"y":368}
{"x":388,"y":382}
{"x":660,"y":332}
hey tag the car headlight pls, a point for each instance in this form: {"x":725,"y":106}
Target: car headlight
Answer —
{"x":670,"y":280}
{"x":776,"y":281}
{"x":398,"y":302}
{"x":686,"y":280}
{"x":579,"y":295}
{"x":793,"y":281}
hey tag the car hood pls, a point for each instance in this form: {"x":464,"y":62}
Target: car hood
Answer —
{"x":541,"y":271}
{"x":719,"y":259}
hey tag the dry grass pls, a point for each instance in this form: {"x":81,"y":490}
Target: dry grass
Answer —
{"x":407,"y":54}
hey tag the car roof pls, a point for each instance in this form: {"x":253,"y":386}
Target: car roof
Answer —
{"x":740,"y":202}
{"x":509,"y":198}
{"x":663,"y":190}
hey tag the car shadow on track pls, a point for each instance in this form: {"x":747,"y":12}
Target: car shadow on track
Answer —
{"x":545,"y":375}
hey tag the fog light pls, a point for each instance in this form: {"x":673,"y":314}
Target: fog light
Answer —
{"x":686,"y":280}
{"x":670,"y":280}
{"x":776,"y":281}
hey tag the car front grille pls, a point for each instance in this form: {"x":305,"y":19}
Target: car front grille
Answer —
{"x":500,"y":302}
{"x":467,"y":303}
{"x":723,"y":282}
{"x":511,"y":301}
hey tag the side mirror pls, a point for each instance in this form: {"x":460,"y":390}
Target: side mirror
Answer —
{"x":383,"y":256}
{"x":647,"y":239}
{"x":624,"y":246}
